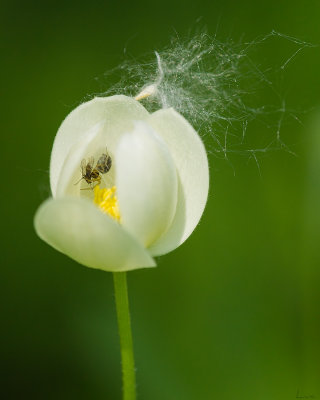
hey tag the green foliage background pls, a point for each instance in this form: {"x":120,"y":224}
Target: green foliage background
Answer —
{"x":231,"y":314}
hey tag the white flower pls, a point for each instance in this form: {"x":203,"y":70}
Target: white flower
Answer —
{"x":152,"y":198}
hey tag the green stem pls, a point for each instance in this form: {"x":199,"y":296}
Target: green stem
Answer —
{"x":124,"y":325}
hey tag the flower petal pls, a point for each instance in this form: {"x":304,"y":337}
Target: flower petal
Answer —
{"x":77,"y":228}
{"x":68,"y":182}
{"x":116,"y":113}
{"x":190,"y":158}
{"x":146,"y":183}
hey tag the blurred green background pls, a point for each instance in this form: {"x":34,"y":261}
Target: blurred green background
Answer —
{"x":231,"y":314}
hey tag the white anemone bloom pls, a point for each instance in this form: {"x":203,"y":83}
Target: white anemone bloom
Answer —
{"x":146,"y":205}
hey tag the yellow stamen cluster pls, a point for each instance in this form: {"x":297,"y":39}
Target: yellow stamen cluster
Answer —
{"x":107,"y":201}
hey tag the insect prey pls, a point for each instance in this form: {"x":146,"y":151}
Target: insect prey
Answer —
{"x":92,"y":172}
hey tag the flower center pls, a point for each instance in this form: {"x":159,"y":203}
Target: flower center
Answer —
{"x":107,"y":201}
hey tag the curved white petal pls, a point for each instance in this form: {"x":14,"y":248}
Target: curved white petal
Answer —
{"x":115,"y":113}
{"x":77,"y":228}
{"x":190,"y":158}
{"x":68,"y":182}
{"x":146,"y":183}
